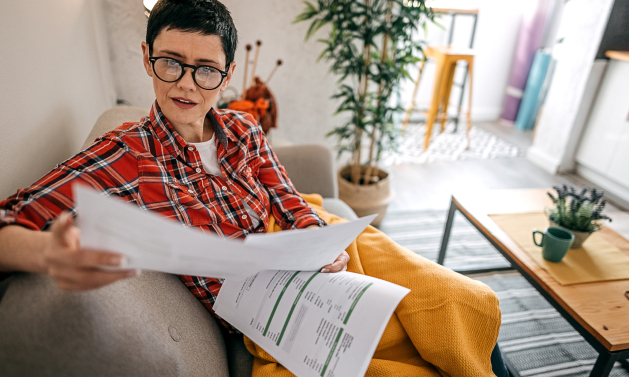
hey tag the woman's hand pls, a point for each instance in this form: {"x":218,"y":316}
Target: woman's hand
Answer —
{"x":340,"y":264}
{"x":76,"y":269}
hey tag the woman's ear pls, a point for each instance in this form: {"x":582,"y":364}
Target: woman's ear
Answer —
{"x":145,"y":59}
{"x":230,"y":74}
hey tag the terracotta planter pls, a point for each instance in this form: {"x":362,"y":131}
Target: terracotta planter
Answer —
{"x":579,"y":237}
{"x":366,"y":199}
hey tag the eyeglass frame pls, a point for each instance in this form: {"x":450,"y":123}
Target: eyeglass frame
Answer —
{"x":224,"y":74}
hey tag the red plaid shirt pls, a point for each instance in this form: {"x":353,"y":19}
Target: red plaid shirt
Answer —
{"x":150,"y":164}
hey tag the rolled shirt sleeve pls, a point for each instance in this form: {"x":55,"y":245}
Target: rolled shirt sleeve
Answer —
{"x":100,"y":166}
{"x":288,"y":207}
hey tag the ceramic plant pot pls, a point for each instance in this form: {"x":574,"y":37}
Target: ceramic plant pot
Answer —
{"x":366,"y":199}
{"x":579,"y":237}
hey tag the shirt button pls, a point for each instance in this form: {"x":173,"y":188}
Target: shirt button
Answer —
{"x":198,"y":170}
{"x":224,"y":188}
{"x":190,"y":148}
{"x":244,"y":217}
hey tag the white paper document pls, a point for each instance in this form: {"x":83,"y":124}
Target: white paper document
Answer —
{"x":308,"y":243}
{"x":152,"y":242}
{"x":315,"y":324}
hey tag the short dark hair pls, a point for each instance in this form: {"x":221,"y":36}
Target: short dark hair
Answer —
{"x":207,"y":17}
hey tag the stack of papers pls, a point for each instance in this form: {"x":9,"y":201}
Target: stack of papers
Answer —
{"x":315,"y":324}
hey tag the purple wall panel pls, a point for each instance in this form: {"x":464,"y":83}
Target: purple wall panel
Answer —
{"x":529,"y":41}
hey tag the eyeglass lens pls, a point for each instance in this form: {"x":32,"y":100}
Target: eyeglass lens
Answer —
{"x":170,"y":70}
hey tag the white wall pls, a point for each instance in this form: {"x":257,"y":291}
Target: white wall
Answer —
{"x":302,"y":86}
{"x":56,"y":81}
{"x":126,"y":29}
{"x":494,"y":45}
{"x":573,"y":85}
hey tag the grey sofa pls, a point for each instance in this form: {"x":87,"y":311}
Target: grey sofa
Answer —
{"x":146,"y":326}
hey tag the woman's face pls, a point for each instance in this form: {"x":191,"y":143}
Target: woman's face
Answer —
{"x":194,"y":49}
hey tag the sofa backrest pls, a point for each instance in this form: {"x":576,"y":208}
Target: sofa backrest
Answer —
{"x":113,"y":118}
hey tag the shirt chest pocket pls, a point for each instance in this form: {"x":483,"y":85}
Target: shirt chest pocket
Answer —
{"x":188,"y":202}
{"x":250,"y":170}
{"x":171,"y":198}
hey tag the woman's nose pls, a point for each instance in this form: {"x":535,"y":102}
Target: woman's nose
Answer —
{"x":187,"y":81}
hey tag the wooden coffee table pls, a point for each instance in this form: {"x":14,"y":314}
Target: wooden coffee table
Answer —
{"x":598,"y":311}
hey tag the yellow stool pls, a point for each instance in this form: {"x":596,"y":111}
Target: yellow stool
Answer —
{"x":446,"y":59}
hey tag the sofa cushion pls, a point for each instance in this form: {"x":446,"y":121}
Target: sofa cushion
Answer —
{"x":339,"y":208}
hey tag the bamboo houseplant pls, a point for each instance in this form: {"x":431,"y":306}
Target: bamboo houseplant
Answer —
{"x":370,"y":45}
{"x":577,"y":212}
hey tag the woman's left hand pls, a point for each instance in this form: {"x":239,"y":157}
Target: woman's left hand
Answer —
{"x":340,"y":264}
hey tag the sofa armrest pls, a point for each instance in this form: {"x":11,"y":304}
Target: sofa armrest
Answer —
{"x":310,"y":168}
{"x":146,"y":326}
{"x":339,"y":208}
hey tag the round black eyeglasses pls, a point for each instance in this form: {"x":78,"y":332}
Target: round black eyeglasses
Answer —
{"x":171,"y":70}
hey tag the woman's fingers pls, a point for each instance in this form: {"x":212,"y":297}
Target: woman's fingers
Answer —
{"x":65,"y":248}
{"x":336,"y":266}
{"x":82,"y":280}
{"x":91,"y":258}
{"x":340,"y":264}
{"x":60,"y":228}
{"x":78,"y":269}
{"x":82,"y":258}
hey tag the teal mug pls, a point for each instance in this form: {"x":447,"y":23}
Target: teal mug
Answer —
{"x":555,"y":243}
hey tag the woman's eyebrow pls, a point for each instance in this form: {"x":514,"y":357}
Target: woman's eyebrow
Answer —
{"x":181,"y":56}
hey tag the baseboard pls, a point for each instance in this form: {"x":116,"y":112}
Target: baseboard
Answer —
{"x":618,"y":194}
{"x":483,"y":114}
{"x":543,"y":160}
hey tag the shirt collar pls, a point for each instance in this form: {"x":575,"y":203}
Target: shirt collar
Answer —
{"x":171,"y":138}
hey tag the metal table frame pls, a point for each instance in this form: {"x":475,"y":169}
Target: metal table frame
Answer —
{"x":606,"y":359}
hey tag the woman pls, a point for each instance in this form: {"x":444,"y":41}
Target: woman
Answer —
{"x":209,"y":169}
{"x":158,"y":162}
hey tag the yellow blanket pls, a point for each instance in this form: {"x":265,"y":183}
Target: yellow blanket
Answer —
{"x":447,"y":326}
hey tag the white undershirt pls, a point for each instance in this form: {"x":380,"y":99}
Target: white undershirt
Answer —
{"x":208,"y":153}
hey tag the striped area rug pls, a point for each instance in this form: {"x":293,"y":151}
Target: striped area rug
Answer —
{"x":534,"y":337}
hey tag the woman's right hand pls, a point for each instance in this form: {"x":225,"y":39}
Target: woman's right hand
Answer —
{"x":76,"y":269}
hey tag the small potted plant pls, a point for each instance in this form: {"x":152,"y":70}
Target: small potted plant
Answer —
{"x":580,"y":213}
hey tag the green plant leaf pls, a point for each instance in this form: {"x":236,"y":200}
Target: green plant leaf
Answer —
{"x":353,"y":48}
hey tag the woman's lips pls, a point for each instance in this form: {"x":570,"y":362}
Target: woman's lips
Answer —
{"x":183,"y":105}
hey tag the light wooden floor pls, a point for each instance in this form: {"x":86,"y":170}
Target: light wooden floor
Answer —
{"x":429,"y":186}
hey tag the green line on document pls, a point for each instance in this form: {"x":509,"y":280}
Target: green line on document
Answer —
{"x":325,"y":367}
{"x":293,"y":307}
{"x":351,"y":308}
{"x":278,"y":302}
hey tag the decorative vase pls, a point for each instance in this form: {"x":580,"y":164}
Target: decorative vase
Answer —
{"x":366,"y":199}
{"x":579,"y":237}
